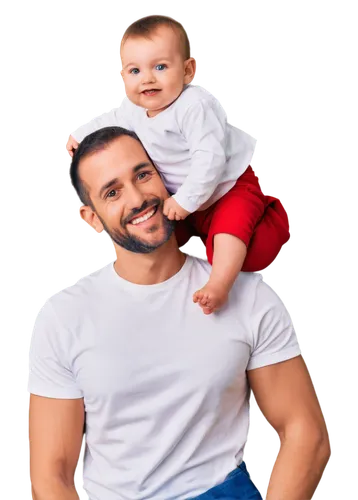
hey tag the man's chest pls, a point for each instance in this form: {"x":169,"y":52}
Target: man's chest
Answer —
{"x":131,"y":353}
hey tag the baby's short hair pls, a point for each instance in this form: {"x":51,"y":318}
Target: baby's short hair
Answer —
{"x":147,"y":25}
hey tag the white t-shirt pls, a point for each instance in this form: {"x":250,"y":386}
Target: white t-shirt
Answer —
{"x":164,"y":386}
{"x":199,"y":155}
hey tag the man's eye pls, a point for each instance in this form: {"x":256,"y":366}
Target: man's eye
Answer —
{"x":160,"y":67}
{"x":112,"y":193}
{"x":134,"y":71}
{"x":143,"y":174}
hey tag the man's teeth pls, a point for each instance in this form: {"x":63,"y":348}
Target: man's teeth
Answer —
{"x":145,"y":217}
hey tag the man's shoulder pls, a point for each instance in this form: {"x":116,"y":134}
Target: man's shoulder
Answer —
{"x":255,"y":299}
{"x":245,"y":290}
{"x":80,"y":295}
{"x":258,"y":296}
{"x":246,"y":284}
{"x":247,"y":280}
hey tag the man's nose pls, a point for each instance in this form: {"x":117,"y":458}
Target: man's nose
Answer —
{"x":134,"y":198}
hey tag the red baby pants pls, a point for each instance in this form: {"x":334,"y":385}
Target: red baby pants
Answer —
{"x":259,"y":221}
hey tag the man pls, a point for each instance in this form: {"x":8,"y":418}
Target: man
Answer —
{"x":162,"y":388}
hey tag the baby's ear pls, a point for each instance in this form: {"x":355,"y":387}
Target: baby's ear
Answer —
{"x":189,"y":70}
{"x":122,"y":74}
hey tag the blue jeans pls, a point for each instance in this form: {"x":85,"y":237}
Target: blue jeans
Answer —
{"x":236,"y":486}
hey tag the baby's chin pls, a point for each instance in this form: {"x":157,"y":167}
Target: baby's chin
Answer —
{"x":155,"y":110}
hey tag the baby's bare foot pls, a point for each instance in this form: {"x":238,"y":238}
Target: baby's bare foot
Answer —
{"x":211,"y":297}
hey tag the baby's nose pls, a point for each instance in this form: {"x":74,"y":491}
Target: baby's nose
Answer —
{"x":148,"y":77}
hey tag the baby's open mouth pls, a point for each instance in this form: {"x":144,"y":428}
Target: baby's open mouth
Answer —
{"x":150,"y":91}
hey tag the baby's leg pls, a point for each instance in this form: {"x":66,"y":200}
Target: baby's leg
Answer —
{"x":230,"y":223}
{"x":271,"y":233}
{"x":228,"y":258}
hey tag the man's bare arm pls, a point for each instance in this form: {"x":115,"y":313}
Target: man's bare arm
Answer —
{"x":285,"y":395}
{"x":55,"y":433}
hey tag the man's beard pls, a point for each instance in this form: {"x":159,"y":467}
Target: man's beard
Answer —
{"x":133,"y":243}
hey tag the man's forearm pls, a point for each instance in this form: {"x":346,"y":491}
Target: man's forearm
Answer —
{"x":298,"y":468}
{"x":54,"y":491}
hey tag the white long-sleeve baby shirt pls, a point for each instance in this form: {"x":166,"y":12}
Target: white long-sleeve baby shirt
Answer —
{"x":199,"y":155}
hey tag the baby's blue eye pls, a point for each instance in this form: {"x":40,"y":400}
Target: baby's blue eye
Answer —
{"x":160,"y":67}
{"x":134,"y":71}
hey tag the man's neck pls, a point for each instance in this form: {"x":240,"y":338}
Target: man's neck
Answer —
{"x":151,"y":268}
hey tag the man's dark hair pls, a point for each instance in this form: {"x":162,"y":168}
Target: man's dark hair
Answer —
{"x":92,"y":143}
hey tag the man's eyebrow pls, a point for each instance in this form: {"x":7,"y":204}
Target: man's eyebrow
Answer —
{"x":114,"y":181}
{"x":141,"y":165}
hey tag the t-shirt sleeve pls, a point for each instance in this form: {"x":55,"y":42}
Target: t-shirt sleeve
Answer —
{"x":117,"y":117}
{"x":273,"y":335}
{"x":50,"y":374}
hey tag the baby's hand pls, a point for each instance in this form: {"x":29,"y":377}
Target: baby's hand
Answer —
{"x":173,"y":210}
{"x":71,"y":145}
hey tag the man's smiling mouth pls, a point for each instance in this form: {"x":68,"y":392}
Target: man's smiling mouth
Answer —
{"x":144,"y":217}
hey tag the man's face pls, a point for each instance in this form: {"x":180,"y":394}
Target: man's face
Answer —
{"x":127,"y":194}
{"x":154,"y":69}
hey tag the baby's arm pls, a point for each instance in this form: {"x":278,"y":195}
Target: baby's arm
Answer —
{"x":119,"y":117}
{"x":204,"y":127}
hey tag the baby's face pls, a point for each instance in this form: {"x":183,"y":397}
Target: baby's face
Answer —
{"x":154,"y":71}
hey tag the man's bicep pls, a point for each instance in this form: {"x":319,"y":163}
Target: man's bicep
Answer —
{"x":55,"y":433}
{"x":285,"y":394}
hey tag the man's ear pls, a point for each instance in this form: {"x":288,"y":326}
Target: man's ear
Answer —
{"x":189,"y":70}
{"x":91,"y":218}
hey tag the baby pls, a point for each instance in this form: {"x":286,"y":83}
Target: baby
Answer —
{"x":203,"y":160}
